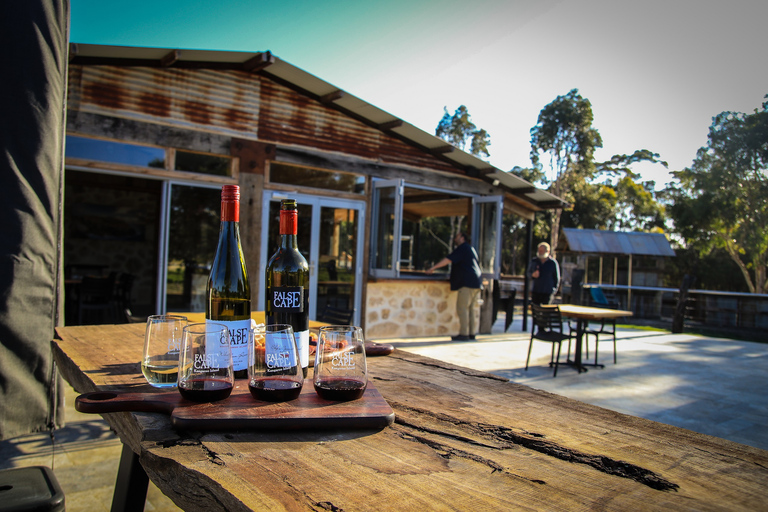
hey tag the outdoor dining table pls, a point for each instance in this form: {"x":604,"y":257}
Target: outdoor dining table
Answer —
{"x":583,"y":315}
{"x":461,"y":440}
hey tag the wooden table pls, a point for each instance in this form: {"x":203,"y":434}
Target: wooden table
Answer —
{"x":583,"y":315}
{"x":462,"y":440}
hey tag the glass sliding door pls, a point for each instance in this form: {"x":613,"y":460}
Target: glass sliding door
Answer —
{"x":191,"y":233}
{"x":486,"y":229}
{"x":330,"y":236}
{"x":385,"y":246}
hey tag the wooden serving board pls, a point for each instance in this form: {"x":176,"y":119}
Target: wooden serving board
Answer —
{"x":242,"y":412}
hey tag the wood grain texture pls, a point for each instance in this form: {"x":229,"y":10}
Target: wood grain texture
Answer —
{"x":462,"y":440}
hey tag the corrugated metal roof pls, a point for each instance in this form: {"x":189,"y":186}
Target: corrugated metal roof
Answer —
{"x":596,"y":241}
{"x":268,"y":65}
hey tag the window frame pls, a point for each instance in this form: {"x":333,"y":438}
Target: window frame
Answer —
{"x":400,"y":185}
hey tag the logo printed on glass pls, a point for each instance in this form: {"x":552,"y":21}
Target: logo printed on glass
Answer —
{"x":205,"y":363}
{"x":343,"y":361}
{"x":288,"y":299}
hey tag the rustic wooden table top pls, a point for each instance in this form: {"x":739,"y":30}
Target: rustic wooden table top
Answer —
{"x":591,"y":313}
{"x":462,"y":440}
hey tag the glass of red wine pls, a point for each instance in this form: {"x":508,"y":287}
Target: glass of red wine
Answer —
{"x":205,"y":363}
{"x":341,"y":372}
{"x":274,"y":368}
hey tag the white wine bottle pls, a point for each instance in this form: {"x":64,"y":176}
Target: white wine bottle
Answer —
{"x":228,"y":297}
{"x":287,"y":283}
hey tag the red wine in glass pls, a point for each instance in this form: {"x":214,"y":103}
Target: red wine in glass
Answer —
{"x":340,"y":389}
{"x":275,"y":390}
{"x":205,"y":390}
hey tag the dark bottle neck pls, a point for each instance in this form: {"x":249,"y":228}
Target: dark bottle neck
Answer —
{"x":289,"y":242}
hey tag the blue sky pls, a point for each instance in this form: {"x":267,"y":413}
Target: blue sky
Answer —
{"x":655,"y":71}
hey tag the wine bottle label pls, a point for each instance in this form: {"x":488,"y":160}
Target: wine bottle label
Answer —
{"x":280,"y":352}
{"x":215,"y":356}
{"x":302,"y":340}
{"x":288,"y":299}
{"x":238,"y":341}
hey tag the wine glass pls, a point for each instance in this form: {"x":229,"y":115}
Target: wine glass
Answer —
{"x":341,"y":372}
{"x":274,"y":369}
{"x":205,"y":363}
{"x":162,"y":342}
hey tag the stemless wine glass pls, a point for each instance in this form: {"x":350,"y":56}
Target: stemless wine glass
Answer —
{"x":341,"y":372}
{"x":162,"y":342}
{"x":274,"y":369}
{"x":205,"y":363}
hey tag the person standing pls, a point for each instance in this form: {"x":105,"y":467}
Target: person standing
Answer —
{"x":465,"y":277}
{"x":545,"y":273}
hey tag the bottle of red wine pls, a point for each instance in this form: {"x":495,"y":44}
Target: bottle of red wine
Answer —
{"x":287,"y":283}
{"x":228,"y":297}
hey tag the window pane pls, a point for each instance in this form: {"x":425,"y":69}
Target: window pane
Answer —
{"x":205,"y":164}
{"x":193,"y":236}
{"x":117,"y":152}
{"x":292,"y":175}
{"x":385,"y":227}
{"x":487,"y":237}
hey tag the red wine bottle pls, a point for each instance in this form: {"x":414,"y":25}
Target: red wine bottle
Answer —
{"x":228,"y":292}
{"x":287,"y":283}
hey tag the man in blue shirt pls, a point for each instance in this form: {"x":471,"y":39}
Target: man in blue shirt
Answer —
{"x":466,"y":278}
{"x":545,"y":273}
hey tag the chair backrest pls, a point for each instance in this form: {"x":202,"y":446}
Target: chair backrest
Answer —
{"x":336,"y":316}
{"x":547,"y":317}
{"x":598,"y":297}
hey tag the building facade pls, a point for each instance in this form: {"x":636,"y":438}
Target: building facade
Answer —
{"x":153,"y":134}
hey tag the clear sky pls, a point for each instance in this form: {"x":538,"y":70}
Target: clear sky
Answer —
{"x":656,"y":71}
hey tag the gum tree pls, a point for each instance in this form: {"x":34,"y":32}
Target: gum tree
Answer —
{"x":721,"y":201}
{"x":565,"y":136}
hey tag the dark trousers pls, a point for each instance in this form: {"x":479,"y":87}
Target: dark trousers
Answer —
{"x":541,"y":298}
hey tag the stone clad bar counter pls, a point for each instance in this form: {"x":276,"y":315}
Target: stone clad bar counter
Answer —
{"x":411,"y":308}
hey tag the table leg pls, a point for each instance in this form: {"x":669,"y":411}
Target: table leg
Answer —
{"x":131,"y":485}
{"x":580,"y":328}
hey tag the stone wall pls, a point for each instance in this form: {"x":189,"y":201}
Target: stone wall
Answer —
{"x":404,"y":309}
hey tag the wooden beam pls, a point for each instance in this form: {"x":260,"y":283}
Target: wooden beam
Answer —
{"x":551,"y":205}
{"x":329,"y":98}
{"x":170,"y":58}
{"x":128,"y":130}
{"x":442,"y":150}
{"x":390,"y":125}
{"x":333,"y":162}
{"x":258,"y":62}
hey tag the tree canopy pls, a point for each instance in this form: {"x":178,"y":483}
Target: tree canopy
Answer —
{"x":459,"y":130}
{"x":564,"y":132}
{"x":721,"y":201}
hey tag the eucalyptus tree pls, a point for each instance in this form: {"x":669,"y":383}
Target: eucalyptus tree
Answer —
{"x":721,"y":201}
{"x":565,"y":136}
{"x":460,"y":131}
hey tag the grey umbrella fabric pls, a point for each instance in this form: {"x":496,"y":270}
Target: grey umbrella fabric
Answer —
{"x":34,"y":38}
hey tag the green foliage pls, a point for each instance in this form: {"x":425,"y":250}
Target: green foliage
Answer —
{"x":459,"y":130}
{"x":721,"y":201}
{"x":564,"y":132}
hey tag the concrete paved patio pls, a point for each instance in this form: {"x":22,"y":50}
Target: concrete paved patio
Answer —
{"x":709,"y":385}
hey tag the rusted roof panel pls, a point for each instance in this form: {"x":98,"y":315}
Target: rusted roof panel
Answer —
{"x":595,"y":241}
{"x":208,"y":102}
{"x":223,"y":101}
{"x":288,"y":117}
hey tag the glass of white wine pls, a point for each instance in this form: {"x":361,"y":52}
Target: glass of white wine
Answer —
{"x":162,"y":341}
